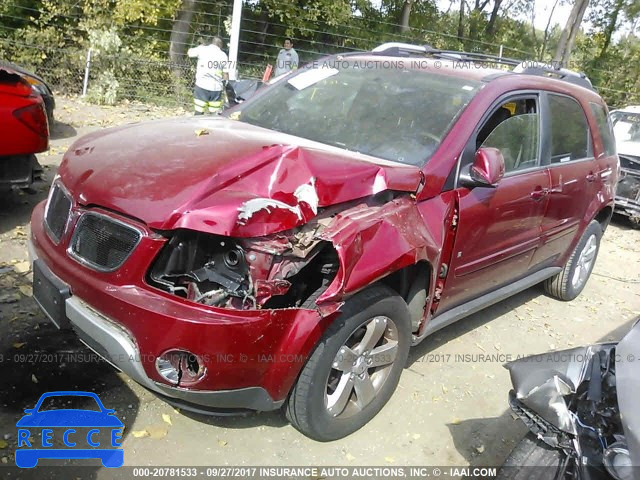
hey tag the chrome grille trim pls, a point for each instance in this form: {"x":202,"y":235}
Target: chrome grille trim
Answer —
{"x":80,"y":230}
{"x":57,"y":190}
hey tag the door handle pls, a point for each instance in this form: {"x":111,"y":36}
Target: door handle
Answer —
{"x":539,"y":193}
{"x":591,"y":177}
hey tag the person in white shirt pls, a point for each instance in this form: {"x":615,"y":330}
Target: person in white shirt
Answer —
{"x":211,"y":72}
{"x":287,"y":58}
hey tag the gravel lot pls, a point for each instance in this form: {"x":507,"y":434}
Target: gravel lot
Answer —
{"x":449,"y":409}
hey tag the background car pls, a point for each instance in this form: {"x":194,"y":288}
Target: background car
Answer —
{"x":626,"y":128}
{"x":24,"y":132}
{"x":580,"y":406}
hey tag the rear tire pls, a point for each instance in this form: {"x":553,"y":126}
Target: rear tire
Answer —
{"x":568,"y":284}
{"x":531,"y":452}
{"x":355,"y":367}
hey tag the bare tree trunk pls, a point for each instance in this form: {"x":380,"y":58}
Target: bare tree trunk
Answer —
{"x":461,"y":22}
{"x":546,"y":31}
{"x":611,"y":26}
{"x":179,"y":35}
{"x":405,"y":15}
{"x":533,"y":22}
{"x":491,"y":26}
{"x":563,"y":52}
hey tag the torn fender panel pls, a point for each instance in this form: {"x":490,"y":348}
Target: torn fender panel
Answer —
{"x":294,"y":349}
{"x":238,"y":180}
{"x":373,"y":242}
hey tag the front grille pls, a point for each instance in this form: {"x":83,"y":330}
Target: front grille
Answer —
{"x":102,"y":242}
{"x":57,"y":213}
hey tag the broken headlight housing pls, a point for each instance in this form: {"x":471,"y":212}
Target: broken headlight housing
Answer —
{"x":276,"y":271}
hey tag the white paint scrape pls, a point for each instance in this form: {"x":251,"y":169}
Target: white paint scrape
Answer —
{"x":305,"y":193}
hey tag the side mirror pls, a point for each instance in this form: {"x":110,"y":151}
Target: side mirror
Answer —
{"x":486,"y":170}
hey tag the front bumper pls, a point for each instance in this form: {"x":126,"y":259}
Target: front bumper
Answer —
{"x":114,"y":344}
{"x":252,"y":357}
{"x":627,"y":207}
{"x":628,"y":193}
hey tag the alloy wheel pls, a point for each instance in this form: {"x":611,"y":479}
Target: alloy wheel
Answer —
{"x":361,"y":367}
{"x":585,"y":262}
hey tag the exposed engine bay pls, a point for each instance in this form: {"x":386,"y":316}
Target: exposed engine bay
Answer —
{"x":275,"y":271}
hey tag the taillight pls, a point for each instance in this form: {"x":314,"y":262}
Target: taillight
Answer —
{"x":34,"y":117}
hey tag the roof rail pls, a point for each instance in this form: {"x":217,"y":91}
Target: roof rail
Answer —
{"x":396,"y":48}
{"x":403,"y":49}
{"x":526,"y":67}
{"x":545,"y":70}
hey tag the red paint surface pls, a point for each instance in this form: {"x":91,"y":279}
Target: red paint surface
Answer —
{"x":16,"y":138}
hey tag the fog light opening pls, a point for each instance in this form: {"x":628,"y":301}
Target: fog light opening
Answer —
{"x":180,"y":367}
{"x":617,"y":461}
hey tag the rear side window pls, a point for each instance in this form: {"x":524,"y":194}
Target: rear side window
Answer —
{"x":605,"y":128}
{"x":569,"y":130}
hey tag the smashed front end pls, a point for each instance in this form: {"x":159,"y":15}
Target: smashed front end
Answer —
{"x":578,"y":401}
{"x":628,"y":189}
{"x":275,"y":271}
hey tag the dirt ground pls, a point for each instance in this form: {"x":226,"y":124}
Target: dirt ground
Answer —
{"x":447,"y":411}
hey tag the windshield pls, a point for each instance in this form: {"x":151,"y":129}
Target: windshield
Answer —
{"x":626,"y":126}
{"x":394,"y":114}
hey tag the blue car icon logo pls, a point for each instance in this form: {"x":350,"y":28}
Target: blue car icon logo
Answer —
{"x":69,"y":433}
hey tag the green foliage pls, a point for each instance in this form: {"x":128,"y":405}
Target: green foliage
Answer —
{"x":130,"y":39}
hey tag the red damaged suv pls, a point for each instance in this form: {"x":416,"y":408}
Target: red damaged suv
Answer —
{"x":288,"y":253}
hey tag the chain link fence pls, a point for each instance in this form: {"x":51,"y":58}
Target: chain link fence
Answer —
{"x":132,"y":62}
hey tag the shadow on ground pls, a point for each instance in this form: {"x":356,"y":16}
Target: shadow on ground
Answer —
{"x":35,"y":358}
{"x":623,"y":222}
{"x":61,"y":130}
{"x":16,"y":205}
{"x":470,"y":323}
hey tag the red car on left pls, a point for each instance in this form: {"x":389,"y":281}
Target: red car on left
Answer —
{"x":24,"y":132}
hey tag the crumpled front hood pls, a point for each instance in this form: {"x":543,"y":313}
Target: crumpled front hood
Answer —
{"x":221,"y":176}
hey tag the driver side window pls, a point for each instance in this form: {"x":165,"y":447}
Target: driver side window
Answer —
{"x":514,"y":129}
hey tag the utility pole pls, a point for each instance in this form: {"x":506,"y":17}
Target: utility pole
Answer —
{"x":235,"y":39}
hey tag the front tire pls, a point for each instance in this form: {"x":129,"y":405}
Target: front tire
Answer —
{"x":568,"y":284}
{"x":355,"y":367}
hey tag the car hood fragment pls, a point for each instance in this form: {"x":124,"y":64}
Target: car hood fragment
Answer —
{"x":547,"y":382}
{"x":221,"y":176}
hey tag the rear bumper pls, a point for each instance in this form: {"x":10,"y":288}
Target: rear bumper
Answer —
{"x":18,"y":171}
{"x":252,"y":357}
